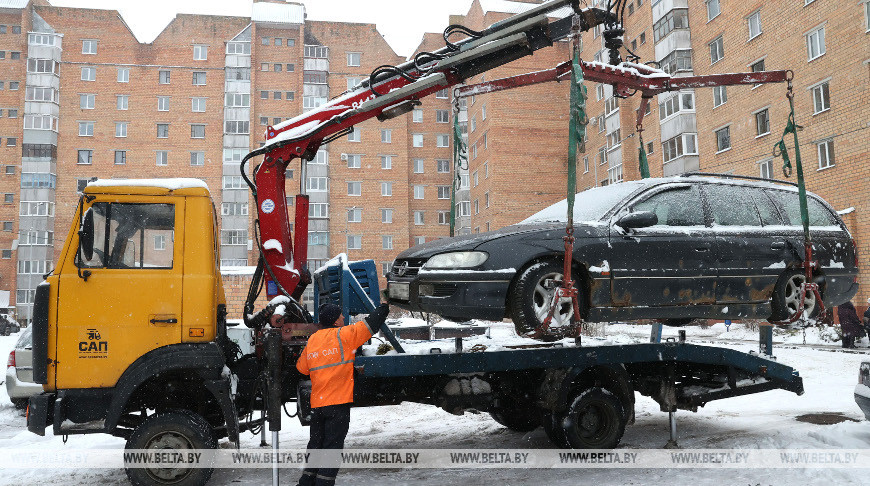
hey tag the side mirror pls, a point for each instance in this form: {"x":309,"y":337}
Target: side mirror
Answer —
{"x":640,"y":219}
{"x":86,"y":235}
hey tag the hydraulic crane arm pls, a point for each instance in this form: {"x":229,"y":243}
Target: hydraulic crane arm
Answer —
{"x":389,"y":92}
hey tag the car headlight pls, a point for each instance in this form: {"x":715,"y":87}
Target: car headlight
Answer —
{"x":456,"y":259}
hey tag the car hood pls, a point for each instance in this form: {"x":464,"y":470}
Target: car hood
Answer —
{"x":470,"y":242}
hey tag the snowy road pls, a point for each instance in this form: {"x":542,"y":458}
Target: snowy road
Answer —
{"x":762,"y":421}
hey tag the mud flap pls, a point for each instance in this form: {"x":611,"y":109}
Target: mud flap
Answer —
{"x":221,"y":391}
{"x":38,"y":412}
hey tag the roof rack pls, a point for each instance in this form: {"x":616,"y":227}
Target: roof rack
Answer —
{"x":733,"y":176}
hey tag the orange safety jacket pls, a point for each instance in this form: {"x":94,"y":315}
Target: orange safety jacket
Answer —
{"x":328,"y":358}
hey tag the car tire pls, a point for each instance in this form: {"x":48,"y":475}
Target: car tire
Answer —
{"x":786,"y":296}
{"x":531,"y":295}
{"x":595,"y":420}
{"x":552,"y":425}
{"x":176,"y":430}
{"x":518,"y":419}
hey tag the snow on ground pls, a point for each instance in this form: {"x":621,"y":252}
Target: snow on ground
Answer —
{"x":761,"y":421}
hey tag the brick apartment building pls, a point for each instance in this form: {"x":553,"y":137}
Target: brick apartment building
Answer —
{"x":82,"y":98}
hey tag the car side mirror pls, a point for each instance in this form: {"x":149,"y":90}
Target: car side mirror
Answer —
{"x":86,"y":235}
{"x":640,"y":219}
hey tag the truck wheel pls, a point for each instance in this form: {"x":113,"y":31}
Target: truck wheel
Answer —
{"x":532,"y":293}
{"x":787,"y":295}
{"x":552,"y":424}
{"x":178,"y":430}
{"x":594,"y":420}
{"x":517,"y":419}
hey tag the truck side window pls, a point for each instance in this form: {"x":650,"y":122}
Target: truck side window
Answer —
{"x":132,"y":236}
{"x":675,"y":207}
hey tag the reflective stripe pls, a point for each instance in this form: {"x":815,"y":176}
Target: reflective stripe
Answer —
{"x":330,"y":365}
{"x":340,"y":353}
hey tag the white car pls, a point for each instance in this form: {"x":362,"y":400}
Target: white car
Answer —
{"x":19,"y":371}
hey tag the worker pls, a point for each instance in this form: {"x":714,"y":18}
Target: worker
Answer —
{"x":328,"y":359}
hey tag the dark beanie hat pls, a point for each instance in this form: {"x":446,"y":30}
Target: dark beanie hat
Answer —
{"x":329,"y":314}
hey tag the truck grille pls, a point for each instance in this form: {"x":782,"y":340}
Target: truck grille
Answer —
{"x":407,"y":267}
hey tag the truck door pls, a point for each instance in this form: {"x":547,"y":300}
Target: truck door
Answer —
{"x":125,"y":300}
{"x":671,"y":263}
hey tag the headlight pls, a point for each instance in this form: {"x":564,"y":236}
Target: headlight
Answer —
{"x":457,"y":259}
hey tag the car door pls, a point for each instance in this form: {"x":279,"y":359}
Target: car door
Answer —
{"x":670,"y":263}
{"x":131,"y":301}
{"x":749,"y":246}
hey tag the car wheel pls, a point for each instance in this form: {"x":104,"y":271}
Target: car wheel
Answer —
{"x":787,"y":296}
{"x":178,"y":431}
{"x":552,"y":424}
{"x":594,"y":420}
{"x":532,"y":294}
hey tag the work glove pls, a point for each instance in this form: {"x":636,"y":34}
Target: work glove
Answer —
{"x":378,"y":317}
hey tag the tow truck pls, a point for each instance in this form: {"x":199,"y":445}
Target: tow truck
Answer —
{"x":133,"y":342}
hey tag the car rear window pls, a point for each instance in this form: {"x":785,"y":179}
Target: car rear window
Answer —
{"x":26,"y":339}
{"x":731,"y":205}
{"x":790,"y":203}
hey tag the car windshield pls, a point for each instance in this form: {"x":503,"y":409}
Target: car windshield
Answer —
{"x":589,"y":205}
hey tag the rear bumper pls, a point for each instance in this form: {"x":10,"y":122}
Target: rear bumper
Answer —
{"x":862,"y":398}
{"x":20,"y":389}
{"x":467,"y":295}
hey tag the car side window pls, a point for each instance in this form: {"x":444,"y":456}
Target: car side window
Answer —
{"x":766,"y":208}
{"x":731,"y":206}
{"x":132,"y":236}
{"x":790,"y":203}
{"x":679,"y":206}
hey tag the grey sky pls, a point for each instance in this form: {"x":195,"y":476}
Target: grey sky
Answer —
{"x":402,"y":22}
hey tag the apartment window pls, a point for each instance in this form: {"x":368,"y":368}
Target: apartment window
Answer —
{"x":123,"y":75}
{"x":233,"y":182}
{"x":354,"y":242}
{"x":486,"y":170}
{"x":234,"y":100}
{"x":419,"y":192}
{"x":87,"y":101}
{"x":685,"y":144}
{"x":318,"y":210}
{"x":442,"y":116}
{"x":89,"y":46}
{"x":679,"y":60}
{"x":475,"y":179}
{"x":765,"y":169}
{"x":291,"y":42}
{"x":418,"y":218}
{"x":8,"y":198}
{"x":720,"y":95}
{"x":36,"y":93}
{"x":354,"y":215}
{"x":613,"y":139}
{"x":11,"y":141}
{"x":441,"y":94}
{"x":585,"y":164}
{"x":386,"y":136}
{"x":472,"y":125}
{"x":417,"y":139}
{"x":821,"y":97}
{"x":642,"y":38}
{"x":866,"y":9}
{"x":463,"y":209}
{"x":717,"y":50}
{"x":10,"y":170}
{"x":353,"y":82}
{"x":7,"y":226}
{"x":354,"y":161}
{"x":38,"y":180}
{"x":386,"y":188}
{"x":163,"y":130}
{"x":355,"y":135}
{"x":419,"y":166}
{"x":386,"y":161}
{"x":354,"y":188}
{"x":417,"y":115}
{"x":650,"y":147}
{"x":676,"y":103}
{"x":463,"y":181}
{"x":44,"y":66}
{"x":317,"y":184}
{"x":162,"y":158}
{"x":199,"y":78}
{"x":197,"y":105}
{"x":277,"y":95}
{"x":197,"y":158}
{"x":122,"y":102}
{"x":277,"y":67}
{"x":7,"y":254}
{"x":477,"y":206}
{"x":757,"y":67}
{"x":197,"y":131}
{"x":677,"y":18}
{"x":14,"y":114}
{"x":386,"y":215}
{"x":713,"y":9}
{"x":816,"y":43}
{"x":162,"y":103}
{"x":723,"y":139}
{"x":353,"y":58}
{"x":762,"y":122}
{"x":442,"y":166}
{"x":602,"y":155}
{"x":754,"y":22}
{"x":240,"y":127}
{"x":120,"y":157}
{"x":442,"y":140}
{"x":89,"y":74}
{"x":200,"y":53}
{"x":825,"y":150}
{"x":443,"y":217}
{"x":290,"y":95}
{"x":120,"y":129}
{"x":264,"y":95}
{"x":387,"y":242}
{"x":238,"y":47}
{"x":419,"y":240}
{"x":86,"y":129}
{"x":264,"y":66}
{"x":443,"y":192}
{"x":234,"y":237}
{"x":163,"y":77}
{"x":599,"y":91}
{"x":85,"y":157}
{"x":13,"y":85}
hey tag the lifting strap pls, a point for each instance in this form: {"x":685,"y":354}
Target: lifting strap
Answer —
{"x":460,"y":162}
{"x":643,"y":164}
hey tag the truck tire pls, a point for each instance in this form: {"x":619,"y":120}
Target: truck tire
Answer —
{"x":531,"y":296}
{"x":787,"y":294}
{"x":552,"y":424}
{"x":177,"y":430}
{"x":517,"y":419}
{"x":595,"y":420}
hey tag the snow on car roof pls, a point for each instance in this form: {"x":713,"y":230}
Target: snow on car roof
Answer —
{"x":170,"y":184}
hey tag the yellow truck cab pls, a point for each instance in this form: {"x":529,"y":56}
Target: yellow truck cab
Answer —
{"x":131,"y":324}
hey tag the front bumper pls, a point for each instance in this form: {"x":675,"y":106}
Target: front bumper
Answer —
{"x":464,"y":294}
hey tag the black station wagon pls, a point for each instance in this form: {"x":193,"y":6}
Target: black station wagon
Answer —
{"x":675,"y":249}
